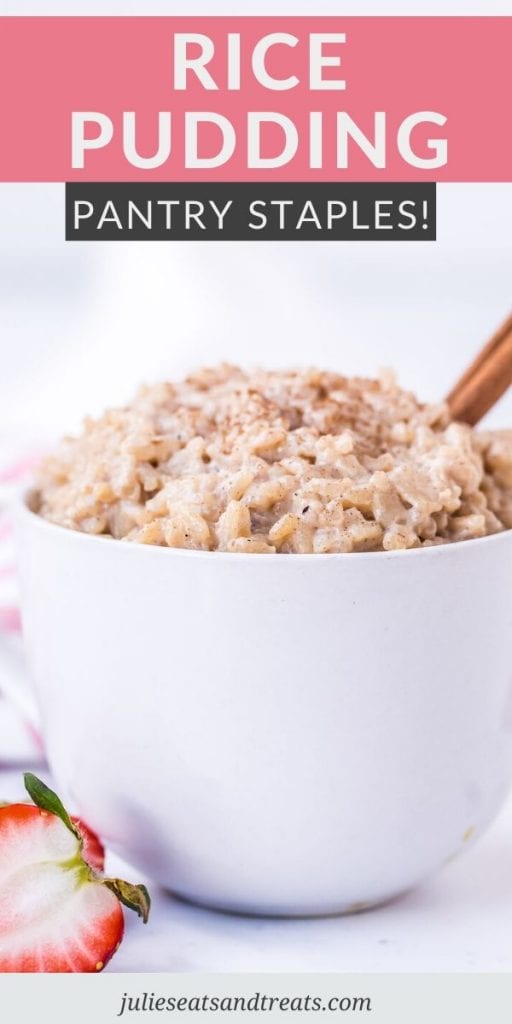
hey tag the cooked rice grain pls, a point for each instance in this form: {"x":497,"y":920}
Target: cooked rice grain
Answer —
{"x":295,"y":461}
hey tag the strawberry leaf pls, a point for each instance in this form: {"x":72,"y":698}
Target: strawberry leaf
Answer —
{"x":135,"y":897}
{"x":47,"y":800}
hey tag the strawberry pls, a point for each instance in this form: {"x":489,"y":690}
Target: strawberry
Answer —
{"x":93,"y":850}
{"x":57,"y":913}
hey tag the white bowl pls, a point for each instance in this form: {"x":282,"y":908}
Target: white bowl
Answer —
{"x":274,"y":734}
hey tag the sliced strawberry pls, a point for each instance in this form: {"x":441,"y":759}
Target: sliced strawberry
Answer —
{"x":93,"y":850}
{"x":56,"y":913}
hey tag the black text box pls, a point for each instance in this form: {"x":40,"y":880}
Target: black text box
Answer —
{"x":237,"y":211}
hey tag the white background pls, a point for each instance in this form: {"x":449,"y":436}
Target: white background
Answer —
{"x":81,"y":324}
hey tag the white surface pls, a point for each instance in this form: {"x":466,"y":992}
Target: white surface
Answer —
{"x":460,"y":921}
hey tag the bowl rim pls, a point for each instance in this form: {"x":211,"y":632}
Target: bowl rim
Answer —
{"x":23,"y":513}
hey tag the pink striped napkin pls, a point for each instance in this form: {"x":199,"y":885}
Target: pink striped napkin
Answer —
{"x":18,"y":744}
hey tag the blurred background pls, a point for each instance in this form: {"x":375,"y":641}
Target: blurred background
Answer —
{"x":82,"y":324}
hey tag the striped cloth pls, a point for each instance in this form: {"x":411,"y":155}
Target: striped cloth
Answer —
{"x":18,"y":745}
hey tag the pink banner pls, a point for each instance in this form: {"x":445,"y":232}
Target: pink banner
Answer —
{"x":248,"y":99}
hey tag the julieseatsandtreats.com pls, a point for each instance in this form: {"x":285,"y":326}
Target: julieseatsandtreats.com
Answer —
{"x":259,"y":1002}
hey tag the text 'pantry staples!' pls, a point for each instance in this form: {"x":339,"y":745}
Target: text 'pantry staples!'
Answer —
{"x":234,"y":212}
